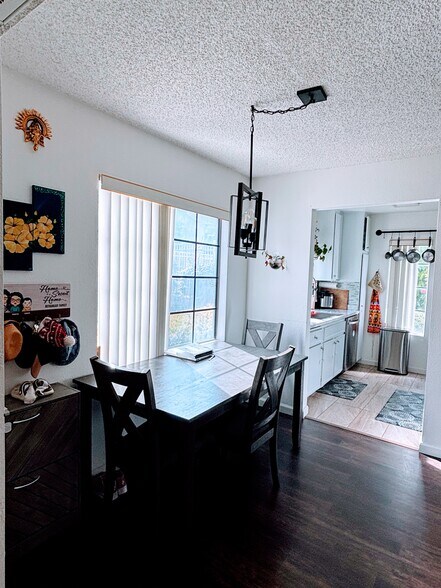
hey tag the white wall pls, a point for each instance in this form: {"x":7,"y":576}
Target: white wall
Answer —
{"x":286,"y":295}
{"x":377,"y":261}
{"x":86,"y":142}
{"x":2,"y":397}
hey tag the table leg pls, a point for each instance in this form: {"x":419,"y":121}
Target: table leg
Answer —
{"x":188,"y":477}
{"x":86,"y":451}
{"x":179,"y":484}
{"x":297,"y":412}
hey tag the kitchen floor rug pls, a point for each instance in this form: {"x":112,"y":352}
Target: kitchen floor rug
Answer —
{"x":343,"y":388}
{"x":404,"y":409}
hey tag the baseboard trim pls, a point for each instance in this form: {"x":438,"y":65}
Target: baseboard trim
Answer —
{"x":411,"y":369}
{"x":286,"y":408}
{"x":430,"y":450}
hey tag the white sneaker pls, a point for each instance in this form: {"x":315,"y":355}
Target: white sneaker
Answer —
{"x":25,"y":392}
{"x":42,"y":387}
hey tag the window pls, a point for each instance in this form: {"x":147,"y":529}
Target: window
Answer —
{"x":421,"y":292}
{"x":194,"y":278}
{"x":407,"y":297}
{"x":162,"y":274}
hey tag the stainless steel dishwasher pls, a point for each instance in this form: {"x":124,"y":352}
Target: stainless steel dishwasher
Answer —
{"x":351,"y":341}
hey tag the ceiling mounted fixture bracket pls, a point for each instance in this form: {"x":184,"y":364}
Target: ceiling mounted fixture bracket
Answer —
{"x":247,"y":207}
{"x":312,"y":95}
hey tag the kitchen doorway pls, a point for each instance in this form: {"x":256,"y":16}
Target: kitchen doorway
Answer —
{"x":389,"y":247}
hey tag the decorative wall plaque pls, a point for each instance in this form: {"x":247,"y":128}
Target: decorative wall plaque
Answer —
{"x":34,"y":126}
{"x":31,"y":302}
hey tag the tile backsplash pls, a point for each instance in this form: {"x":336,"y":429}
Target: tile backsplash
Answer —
{"x":354,"y":291}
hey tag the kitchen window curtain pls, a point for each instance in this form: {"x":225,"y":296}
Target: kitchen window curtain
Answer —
{"x":401,"y":293}
{"x":133,"y":261}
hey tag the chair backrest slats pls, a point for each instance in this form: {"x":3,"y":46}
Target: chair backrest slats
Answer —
{"x":267,"y":385}
{"x":263,"y":334}
{"x":119,"y":391}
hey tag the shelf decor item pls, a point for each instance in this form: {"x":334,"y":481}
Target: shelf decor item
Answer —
{"x":275,"y":261}
{"x":34,"y":126}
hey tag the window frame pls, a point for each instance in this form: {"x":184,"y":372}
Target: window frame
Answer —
{"x":419,"y":263}
{"x":193,"y":311}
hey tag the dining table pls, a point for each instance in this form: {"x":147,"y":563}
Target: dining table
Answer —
{"x":191,"y":395}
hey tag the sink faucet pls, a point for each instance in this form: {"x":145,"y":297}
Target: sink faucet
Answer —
{"x":314,"y":293}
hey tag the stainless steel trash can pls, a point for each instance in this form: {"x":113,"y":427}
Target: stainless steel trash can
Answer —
{"x":393,"y":355}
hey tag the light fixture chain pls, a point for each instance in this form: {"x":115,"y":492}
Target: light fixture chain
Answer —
{"x":251,"y":145}
{"x":290,"y":109}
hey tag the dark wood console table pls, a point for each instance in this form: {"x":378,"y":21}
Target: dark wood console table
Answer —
{"x":42,"y":450}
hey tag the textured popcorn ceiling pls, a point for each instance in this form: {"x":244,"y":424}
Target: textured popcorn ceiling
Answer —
{"x":188,"y":71}
{"x":20,"y":13}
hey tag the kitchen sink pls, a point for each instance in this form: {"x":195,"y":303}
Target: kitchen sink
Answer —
{"x":323,"y":315}
{"x":320,"y":318}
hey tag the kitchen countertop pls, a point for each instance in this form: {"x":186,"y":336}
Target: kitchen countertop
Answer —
{"x":333,"y":315}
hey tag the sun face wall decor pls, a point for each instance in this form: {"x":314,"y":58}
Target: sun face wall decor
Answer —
{"x":34,"y":126}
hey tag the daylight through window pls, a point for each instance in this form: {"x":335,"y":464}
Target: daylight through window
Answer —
{"x":194,"y":280}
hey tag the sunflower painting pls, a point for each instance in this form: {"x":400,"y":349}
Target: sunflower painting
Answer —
{"x":33,"y":228}
{"x":48,"y":218}
{"x":17,"y":253}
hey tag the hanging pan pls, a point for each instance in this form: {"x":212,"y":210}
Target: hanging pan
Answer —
{"x":429,"y":254}
{"x":388,"y":254}
{"x":413,"y":255}
{"x":397,"y":254}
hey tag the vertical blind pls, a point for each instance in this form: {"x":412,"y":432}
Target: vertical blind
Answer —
{"x":133,"y":258}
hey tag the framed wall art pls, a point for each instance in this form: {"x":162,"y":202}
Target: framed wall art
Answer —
{"x":48,"y":211}
{"x":17,"y":235}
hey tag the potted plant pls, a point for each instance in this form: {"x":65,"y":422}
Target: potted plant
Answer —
{"x":320,"y":251}
{"x":274,"y":261}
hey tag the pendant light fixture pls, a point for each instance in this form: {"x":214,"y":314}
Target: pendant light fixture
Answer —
{"x":247,"y":207}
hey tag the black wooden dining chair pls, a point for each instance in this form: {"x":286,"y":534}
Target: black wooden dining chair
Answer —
{"x":263,"y":334}
{"x":255,"y":421}
{"x":131,"y":443}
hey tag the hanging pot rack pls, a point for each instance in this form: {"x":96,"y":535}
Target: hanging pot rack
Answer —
{"x":412,"y":255}
{"x":379,"y":232}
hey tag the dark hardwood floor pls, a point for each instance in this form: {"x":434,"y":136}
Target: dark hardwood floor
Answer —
{"x":351,"y":511}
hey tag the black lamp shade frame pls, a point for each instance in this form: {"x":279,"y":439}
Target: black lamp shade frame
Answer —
{"x":246,"y":241}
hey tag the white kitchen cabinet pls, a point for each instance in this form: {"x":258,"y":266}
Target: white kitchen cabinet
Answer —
{"x":315,"y":357}
{"x":339,"y":353}
{"x":326,"y":353}
{"x":351,"y":246}
{"x":330,"y":227}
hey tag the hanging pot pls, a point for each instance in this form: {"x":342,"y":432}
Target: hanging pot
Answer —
{"x":388,"y":254}
{"x":429,"y":254}
{"x":413,"y":255}
{"x":397,"y":254}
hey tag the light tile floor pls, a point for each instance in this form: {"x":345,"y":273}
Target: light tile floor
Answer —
{"x":359,"y":414}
